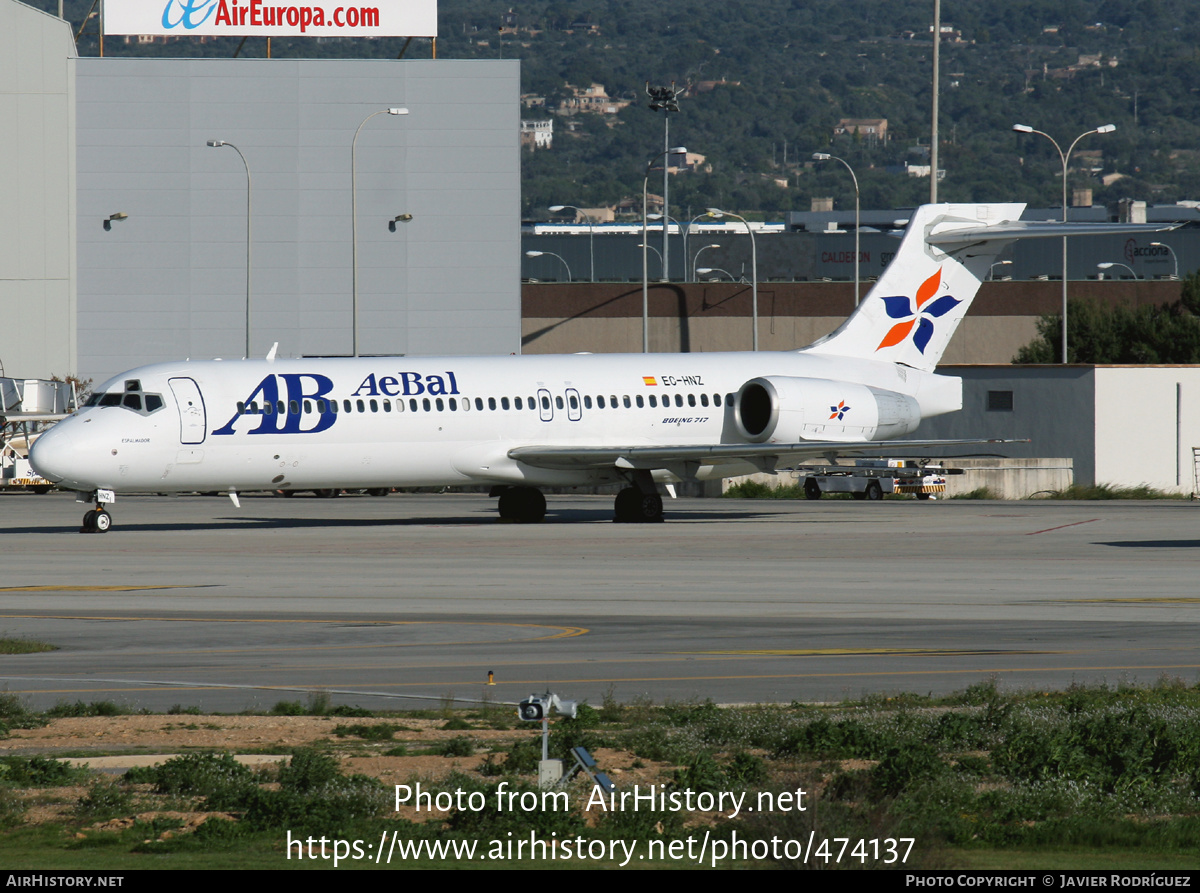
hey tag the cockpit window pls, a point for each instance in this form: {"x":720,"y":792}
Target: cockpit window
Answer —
{"x":131,"y":398}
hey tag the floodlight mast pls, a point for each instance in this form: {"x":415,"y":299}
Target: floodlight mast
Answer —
{"x":666,"y":100}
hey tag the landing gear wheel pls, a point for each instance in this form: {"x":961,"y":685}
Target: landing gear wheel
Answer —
{"x":922,"y":496}
{"x":874,"y":491}
{"x":812,"y":490}
{"x":525,"y":505}
{"x":632,"y":505}
{"x":103,"y":521}
{"x":89,"y":522}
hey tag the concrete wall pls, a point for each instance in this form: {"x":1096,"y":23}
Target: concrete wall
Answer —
{"x":37,"y":180}
{"x":170,"y":280}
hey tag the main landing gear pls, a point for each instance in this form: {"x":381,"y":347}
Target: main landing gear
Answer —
{"x":633,"y":506}
{"x":640,"y":502}
{"x":96,"y":520}
{"x":525,"y":505}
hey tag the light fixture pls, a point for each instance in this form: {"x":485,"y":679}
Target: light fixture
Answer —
{"x":399,"y":218}
{"x":120,"y":215}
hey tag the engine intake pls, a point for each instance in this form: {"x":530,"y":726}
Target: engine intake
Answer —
{"x":784,"y":409}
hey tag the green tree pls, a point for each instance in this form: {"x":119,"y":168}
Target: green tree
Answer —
{"x":1166,"y":333}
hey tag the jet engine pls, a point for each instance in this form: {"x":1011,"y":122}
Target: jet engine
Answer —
{"x":783,"y":409}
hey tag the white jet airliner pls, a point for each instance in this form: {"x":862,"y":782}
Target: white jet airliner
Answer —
{"x":522,"y":422}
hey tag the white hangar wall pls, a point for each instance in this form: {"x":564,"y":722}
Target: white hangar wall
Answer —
{"x":169,"y":280}
{"x":37,"y":180}
{"x":1147,"y":421}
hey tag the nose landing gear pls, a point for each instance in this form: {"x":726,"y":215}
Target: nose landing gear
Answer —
{"x":97,"y":520}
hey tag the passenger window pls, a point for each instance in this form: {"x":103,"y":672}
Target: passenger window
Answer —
{"x":268,"y":408}
{"x":716,"y":399}
{"x":479,"y":403}
{"x":466,"y":404}
{"x":333,"y":407}
{"x":425,"y":404}
{"x":600,"y":401}
{"x":517,"y":403}
{"x":346,"y":405}
{"x":491,"y":403}
{"x":362,"y":407}
{"x":626,"y":401}
{"x":704,"y":399}
{"x":613,"y":401}
{"x":679,"y":399}
{"x":587,"y":401}
{"x":558,"y":401}
{"x":294,"y":407}
{"x":241,"y":408}
{"x":640,"y":402}
{"x":574,"y":401}
{"x":308,"y":407}
{"x":504,"y":403}
{"x":412,"y":404}
{"x":545,"y":403}
{"x":387,"y":405}
{"x":321,"y":407}
{"x":440,"y":405}
{"x":691,"y":399}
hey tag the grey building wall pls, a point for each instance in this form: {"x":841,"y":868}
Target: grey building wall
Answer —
{"x":1053,"y":406}
{"x":37,"y":182}
{"x":169,"y":281}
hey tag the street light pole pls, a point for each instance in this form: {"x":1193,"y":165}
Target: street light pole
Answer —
{"x":717,"y":212}
{"x":217,"y":144}
{"x":1108,"y":265}
{"x":678,"y":150}
{"x":696,"y":257}
{"x":354,"y":214}
{"x":825,"y":156}
{"x":1025,"y":128}
{"x":1174,"y":256}
{"x":552,"y":254}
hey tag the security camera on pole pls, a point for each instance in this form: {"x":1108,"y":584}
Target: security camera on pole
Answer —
{"x":536,"y":708}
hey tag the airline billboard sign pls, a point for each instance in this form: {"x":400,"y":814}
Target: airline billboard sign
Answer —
{"x":272,"y":18}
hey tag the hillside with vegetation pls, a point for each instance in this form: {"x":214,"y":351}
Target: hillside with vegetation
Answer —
{"x":787,"y":71}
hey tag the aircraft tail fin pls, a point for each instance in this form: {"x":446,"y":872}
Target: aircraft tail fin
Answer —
{"x":914,"y":308}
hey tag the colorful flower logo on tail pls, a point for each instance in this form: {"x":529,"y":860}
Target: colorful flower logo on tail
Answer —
{"x":921,"y":316}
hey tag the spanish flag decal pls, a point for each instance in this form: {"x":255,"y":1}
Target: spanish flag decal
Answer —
{"x":648,"y":381}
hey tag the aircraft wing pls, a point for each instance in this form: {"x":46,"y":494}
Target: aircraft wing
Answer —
{"x":767,"y":456}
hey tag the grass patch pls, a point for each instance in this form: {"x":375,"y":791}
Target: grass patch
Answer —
{"x":1093,"y":775}
{"x":24,"y":646}
{"x":1111,"y":491}
{"x":756,"y":490}
{"x":977,"y":493}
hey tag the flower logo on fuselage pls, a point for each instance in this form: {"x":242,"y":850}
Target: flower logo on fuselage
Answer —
{"x":921,"y":316}
{"x":838,"y":412}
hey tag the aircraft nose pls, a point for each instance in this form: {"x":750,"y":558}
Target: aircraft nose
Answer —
{"x":51,"y":454}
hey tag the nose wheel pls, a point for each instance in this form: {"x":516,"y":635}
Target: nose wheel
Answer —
{"x":96,"y":520}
